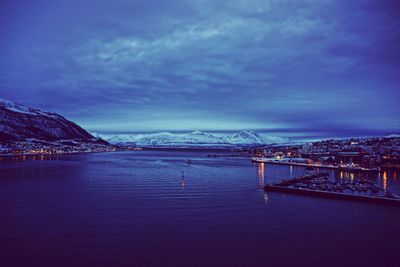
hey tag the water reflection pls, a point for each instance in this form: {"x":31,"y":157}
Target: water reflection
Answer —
{"x":42,"y":157}
{"x":384,"y":180}
{"x":261,"y":173}
{"x":265,"y":198}
{"x":183,"y":181}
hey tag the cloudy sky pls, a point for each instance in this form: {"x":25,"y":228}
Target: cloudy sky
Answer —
{"x":326,"y":66}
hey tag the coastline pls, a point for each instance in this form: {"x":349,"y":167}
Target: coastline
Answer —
{"x":332,"y":167}
{"x":56,"y":154}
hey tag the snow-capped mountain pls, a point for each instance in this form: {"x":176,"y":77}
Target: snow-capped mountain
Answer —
{"x":195,"y":138}
{"x":21,"y":123}
{"x":246,"y":137}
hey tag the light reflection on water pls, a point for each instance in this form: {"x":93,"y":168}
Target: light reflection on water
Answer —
{"x":261,"y":173}
{"x":384,"y":180}
{"x":266,"y":198}
{"x":183,"y":181}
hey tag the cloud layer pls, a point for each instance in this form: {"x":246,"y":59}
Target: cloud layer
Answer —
{"x":177,"y":65}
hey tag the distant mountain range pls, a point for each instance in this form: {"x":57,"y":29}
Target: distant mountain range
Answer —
{"x":193,"y":139}
{"x":19,"y":124}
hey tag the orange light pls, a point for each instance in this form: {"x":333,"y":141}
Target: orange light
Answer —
{"x":261,"y":172}
{"x":384,"y":180}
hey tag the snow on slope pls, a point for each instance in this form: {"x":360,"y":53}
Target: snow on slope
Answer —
{"x":17,"y":108}
{"x":20,"y":123}
{"x":195,"y":138}
{"x":246,"y":137}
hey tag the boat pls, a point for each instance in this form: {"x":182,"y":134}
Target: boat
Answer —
{"x":188,"y":161}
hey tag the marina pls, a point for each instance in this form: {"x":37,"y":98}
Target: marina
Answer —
{"x":322,"y":185}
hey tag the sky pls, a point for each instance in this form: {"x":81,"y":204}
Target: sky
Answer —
{"x":283,"y":66}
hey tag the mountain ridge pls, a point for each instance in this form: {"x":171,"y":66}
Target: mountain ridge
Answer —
{"x":194,"y":138}
{"x":20,"y":123}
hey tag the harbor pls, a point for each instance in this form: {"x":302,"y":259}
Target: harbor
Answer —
{"x":323,"y":185}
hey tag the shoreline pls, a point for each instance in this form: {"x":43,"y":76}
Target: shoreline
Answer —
{"x":332,"y":167}
{"x":55,"y":154}
{"x":174,"y":149}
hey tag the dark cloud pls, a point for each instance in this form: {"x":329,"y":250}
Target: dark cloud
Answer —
{"x":151,"y":65}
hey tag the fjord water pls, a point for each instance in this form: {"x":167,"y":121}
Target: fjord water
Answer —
{"x":134,"y":209}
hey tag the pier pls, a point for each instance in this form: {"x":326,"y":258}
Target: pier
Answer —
{"x":316,"y":166}
{"x":321,"y":185}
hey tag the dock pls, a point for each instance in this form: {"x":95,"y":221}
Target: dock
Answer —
{"x":314,"y":166}
{"x":320,"y":185}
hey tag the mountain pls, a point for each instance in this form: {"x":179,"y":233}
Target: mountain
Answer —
{"x":19,"y":123}
{"x":246,"y":137}
{"x":195,"y":138}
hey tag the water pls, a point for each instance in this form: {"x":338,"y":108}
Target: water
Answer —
{"x":133,"y":209}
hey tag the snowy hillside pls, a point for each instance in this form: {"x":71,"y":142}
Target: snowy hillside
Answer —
{"x":246,"y":137}
{"x":20,"y":123}
{"x":17,"y":108}
{"x":195,"y":138}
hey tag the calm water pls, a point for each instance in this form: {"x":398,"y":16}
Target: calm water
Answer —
{"x":133,"y":209}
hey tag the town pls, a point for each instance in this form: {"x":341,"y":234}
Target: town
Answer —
{"x":355,"y":154}
{"x":38,"y":147}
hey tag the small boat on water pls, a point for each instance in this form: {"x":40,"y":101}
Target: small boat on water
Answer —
{"x":188,"y":161}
